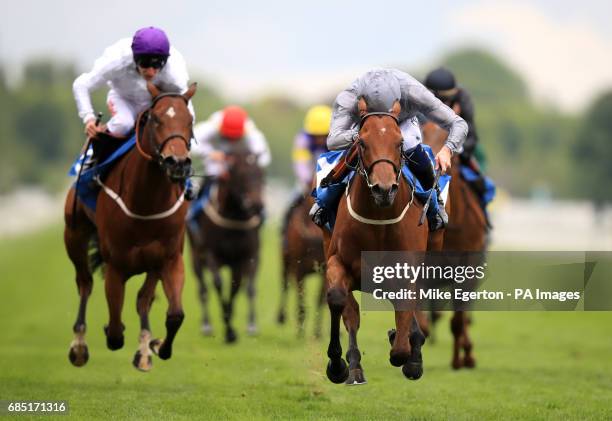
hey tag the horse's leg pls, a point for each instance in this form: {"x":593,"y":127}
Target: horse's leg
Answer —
{"x":76,"y":241}
{"x":114,"y":286}
{"x":459,"y":324}
{"x":250,"y":269}
{"x":337,"y":280}
{"x":350,"y":315}
{"x":301,"y":311}
{"x":198,"y":269}
{"x":173,"y":279}
{"x":230,"y":332}
{"x":143,"y":358}
{"x":282,"y":311}
{"x":406,"y":344}
{"x":215,"y":269}
{"x":319,"y":309}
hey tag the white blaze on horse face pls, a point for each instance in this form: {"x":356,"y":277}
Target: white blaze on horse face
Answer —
{"x":383,"y":130}
{"x":171,"y":113}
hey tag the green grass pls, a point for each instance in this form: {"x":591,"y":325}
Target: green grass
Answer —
{"x":530,"y":365}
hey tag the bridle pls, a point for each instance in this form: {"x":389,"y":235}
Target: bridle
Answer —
{"x":361,"y":167}
{"x":159,"y":147}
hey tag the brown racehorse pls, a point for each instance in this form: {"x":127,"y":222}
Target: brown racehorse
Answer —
{"x":302,"y":255}
{"x":377,"y":193}
{"x":139,"y":221}
{"x":466,"y":231}
{"x":229,"y":236}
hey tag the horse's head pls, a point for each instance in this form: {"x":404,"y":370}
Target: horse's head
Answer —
{"x":242,"y":185}
{"x":380,"y":152}
{"x":167,"y":132}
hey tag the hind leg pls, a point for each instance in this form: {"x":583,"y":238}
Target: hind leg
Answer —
{"x":143,"y":360}
{"x":459,"y":325}
{"x":77,"y":233}
{"x":351,"y":318}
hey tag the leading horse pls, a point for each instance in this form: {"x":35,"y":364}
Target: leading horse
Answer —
{"x":377,"y":214}
{"x":140,"y":225}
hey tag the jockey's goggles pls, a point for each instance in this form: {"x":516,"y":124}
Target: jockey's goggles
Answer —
{"x":154,"y":61}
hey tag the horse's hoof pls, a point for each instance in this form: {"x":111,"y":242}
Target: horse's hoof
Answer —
{"x":78,"y":355}
{"x":113,"y":343}
{"x":142,"y":362}
{"x":206,"y":329}
{"x":469,"y":362}
{"x":252,"y":330}
{"x":355,"y":377}
{"x":155,"y":345}
{"x":337,"y":373}
{"x":457,"y":363}
{"x":281,"y":318}
{"x":398,"y":359}
{"x":413,"y":370}
{"x":230,"y":336}
{"x":391,"y":334}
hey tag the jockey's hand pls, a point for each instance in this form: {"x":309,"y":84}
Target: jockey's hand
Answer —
{"x":91,"y":129}
{"x":443,"y":159}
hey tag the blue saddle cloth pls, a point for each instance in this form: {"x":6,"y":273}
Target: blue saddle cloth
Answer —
{"x":489,"y":186}
{"x":329,"y":197}
{"x":88,"y":189}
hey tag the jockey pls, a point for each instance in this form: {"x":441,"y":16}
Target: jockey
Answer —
{"x":226,"y":131}
{"x":381,"y":88}
{"x":126,"y":67}
{"x":441,"y":82}
{"x":308,"y":145}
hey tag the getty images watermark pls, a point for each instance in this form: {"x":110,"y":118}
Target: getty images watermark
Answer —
{"x":503,"y":281}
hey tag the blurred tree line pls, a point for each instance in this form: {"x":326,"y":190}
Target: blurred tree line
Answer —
{"x":530,"y":148}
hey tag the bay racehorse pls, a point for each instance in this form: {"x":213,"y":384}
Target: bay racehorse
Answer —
{"x":376,"y":214}
{"x":302,"y":255}
{"x":466,"y":232}
{"x":229,"y":236}
{"x":139,"y":223}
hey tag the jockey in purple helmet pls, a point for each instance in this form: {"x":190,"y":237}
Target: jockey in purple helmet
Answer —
{"x":126,"y":67}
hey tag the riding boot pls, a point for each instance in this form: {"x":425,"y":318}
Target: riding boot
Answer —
{"x":421,"y":166}
{"x":318,"y":215}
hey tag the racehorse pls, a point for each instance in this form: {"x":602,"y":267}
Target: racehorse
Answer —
{"x":466,"y":232}
{"x":140,"y":225}
{"x":377,"y":213}
{"x":302,"y":254}
{"x":229,"y":236}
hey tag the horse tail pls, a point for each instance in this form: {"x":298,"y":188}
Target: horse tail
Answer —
{"x":94,"y":257}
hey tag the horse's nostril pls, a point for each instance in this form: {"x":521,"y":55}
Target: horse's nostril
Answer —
{"x":170,"y":161}
{"x":394,"y":188}
{"x":376,"y":189}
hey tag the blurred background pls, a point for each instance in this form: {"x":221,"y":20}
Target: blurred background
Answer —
{"x":538,"y":71}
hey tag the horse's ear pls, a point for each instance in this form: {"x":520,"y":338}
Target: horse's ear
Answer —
{"x":396,"y":109}
{"x":362,"y":106}
{"x":191,"y":91}
{"x":153,"y":90}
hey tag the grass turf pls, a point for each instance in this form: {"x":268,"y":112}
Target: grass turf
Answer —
{"x":530,"y":365}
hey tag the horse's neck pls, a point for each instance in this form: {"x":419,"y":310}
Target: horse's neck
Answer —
{"x":145,"y":188}
{"x":363,"y":203}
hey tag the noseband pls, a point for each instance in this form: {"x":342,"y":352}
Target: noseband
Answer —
{"x":361,"y":167}
{"x":157,"y":148}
